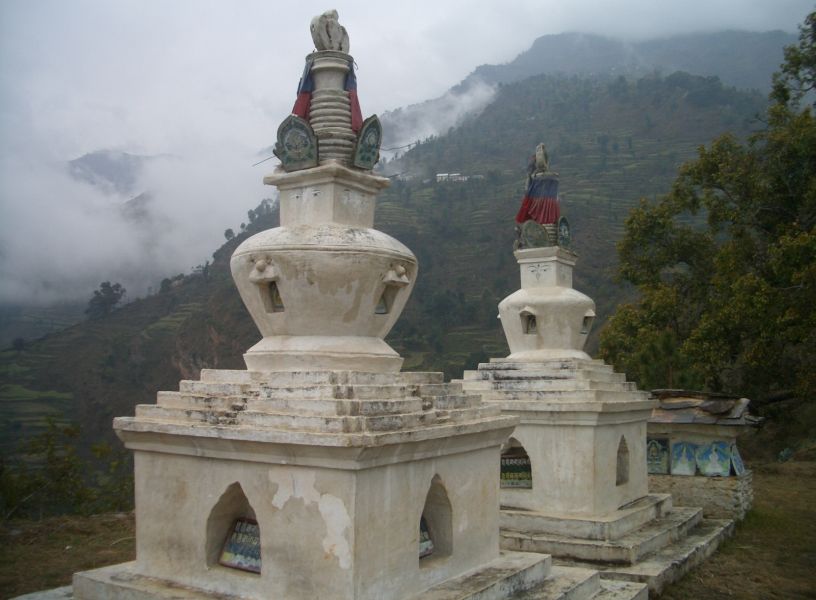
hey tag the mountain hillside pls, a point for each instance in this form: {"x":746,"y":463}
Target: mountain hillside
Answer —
{"x":613,"y":142}
{"x":742,"y":59}
{"x":113,"y":172}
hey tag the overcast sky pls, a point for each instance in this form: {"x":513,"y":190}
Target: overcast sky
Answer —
{"x":209,"y":81}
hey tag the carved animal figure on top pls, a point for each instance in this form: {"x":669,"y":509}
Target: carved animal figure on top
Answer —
{"x":328,"y":34}
{"x":539,"y":164}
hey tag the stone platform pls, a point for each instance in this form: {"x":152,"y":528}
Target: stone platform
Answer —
{"x":520,"y":576}
{"x":509,"y":573}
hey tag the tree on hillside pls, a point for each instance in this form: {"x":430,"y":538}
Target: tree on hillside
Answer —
{"x":726,"y":262}
{"x":104,"y":300}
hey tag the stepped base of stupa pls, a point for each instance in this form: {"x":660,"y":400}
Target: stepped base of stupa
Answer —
{"x":583,"y":431}
{"x":656,"y":553}
{"x":354,"y":485}
{"x":668,"y":564}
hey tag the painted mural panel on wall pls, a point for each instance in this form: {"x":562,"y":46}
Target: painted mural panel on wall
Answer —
{"x":683,"y":458}
{"x":242,"y":549}
{"x":516,"y":471}
{"x":736,"y":461}
{"x":426,"y":546}
{"x":714,"y":460}
{"x":657,"y":456}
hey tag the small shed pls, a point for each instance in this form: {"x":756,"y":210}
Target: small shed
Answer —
{"x":692,"y":451}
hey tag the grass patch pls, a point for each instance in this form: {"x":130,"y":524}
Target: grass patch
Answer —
{"x":14,"y":391}
{"x":170,"y":324}
{"x":772,"y":555}
{"x":13,"y":370}
{"x":40,"y":555}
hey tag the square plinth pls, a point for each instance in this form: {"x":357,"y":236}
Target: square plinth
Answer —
{"x":342,"y":476}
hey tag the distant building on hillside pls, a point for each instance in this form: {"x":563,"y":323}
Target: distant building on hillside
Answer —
{"x":454,"y":177}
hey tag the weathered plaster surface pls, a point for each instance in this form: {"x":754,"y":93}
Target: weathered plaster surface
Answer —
{"x":720,"y":497}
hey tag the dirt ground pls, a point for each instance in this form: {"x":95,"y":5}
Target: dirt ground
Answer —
{"x":39,"y":555}
{"x":772,"y":555}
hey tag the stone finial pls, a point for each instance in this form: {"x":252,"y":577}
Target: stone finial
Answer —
{"x":539,"y":222}
{"x":542,"y":159}
{"x":328,"y":34}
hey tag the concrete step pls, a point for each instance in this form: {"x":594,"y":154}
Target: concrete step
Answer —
{"x":545,"y":396}
{"x":626,"y":550}
{"x":338,"y":391}
{"x":670,"y":563}
{"x":604,"y":374}
{"x":301,"y":378}
{"x":621,"y":590}
{"x":318,"y":415}
{"x":326,"y":407}
{"x":438,"y":389}
{"x":610,"y":527}
{"x":554,"y":385}
{"x":421,"y":377}
{"x":194,"y":402}
{"x":558,"y":368}
{"x":339,"y":424}
{"x":592,"y":372}
{"x":336,"y":407}
{"x":455,"y":401}
{"x":572,"y":583}
{"x":503,"y":578}
{"x":555,"y":363}
{"x":287,"y":421}
{"x":565,"y":583}
{"x":198,"y":416}
{"x":202,"y":388}
{"x":470,"y":413}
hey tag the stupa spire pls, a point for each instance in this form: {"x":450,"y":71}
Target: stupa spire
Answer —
{"x":326,"y":124}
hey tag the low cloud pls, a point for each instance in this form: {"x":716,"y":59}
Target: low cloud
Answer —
{"x":420,"y":121}
{"x":61,"y":236}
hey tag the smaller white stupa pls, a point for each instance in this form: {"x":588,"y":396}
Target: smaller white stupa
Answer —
{"x":574,"y":473}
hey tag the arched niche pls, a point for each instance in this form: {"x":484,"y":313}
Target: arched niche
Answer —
{"x":386,"y":301}
{"x":436,"y":523}
{"x":228,"y":517}
{"x":516,"y":468}
{"x":529,"y":325}
{"x":272,"y":300}
{"x":622,"y":472}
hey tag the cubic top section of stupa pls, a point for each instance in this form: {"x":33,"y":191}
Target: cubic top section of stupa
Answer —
{"x":325,"y":287}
